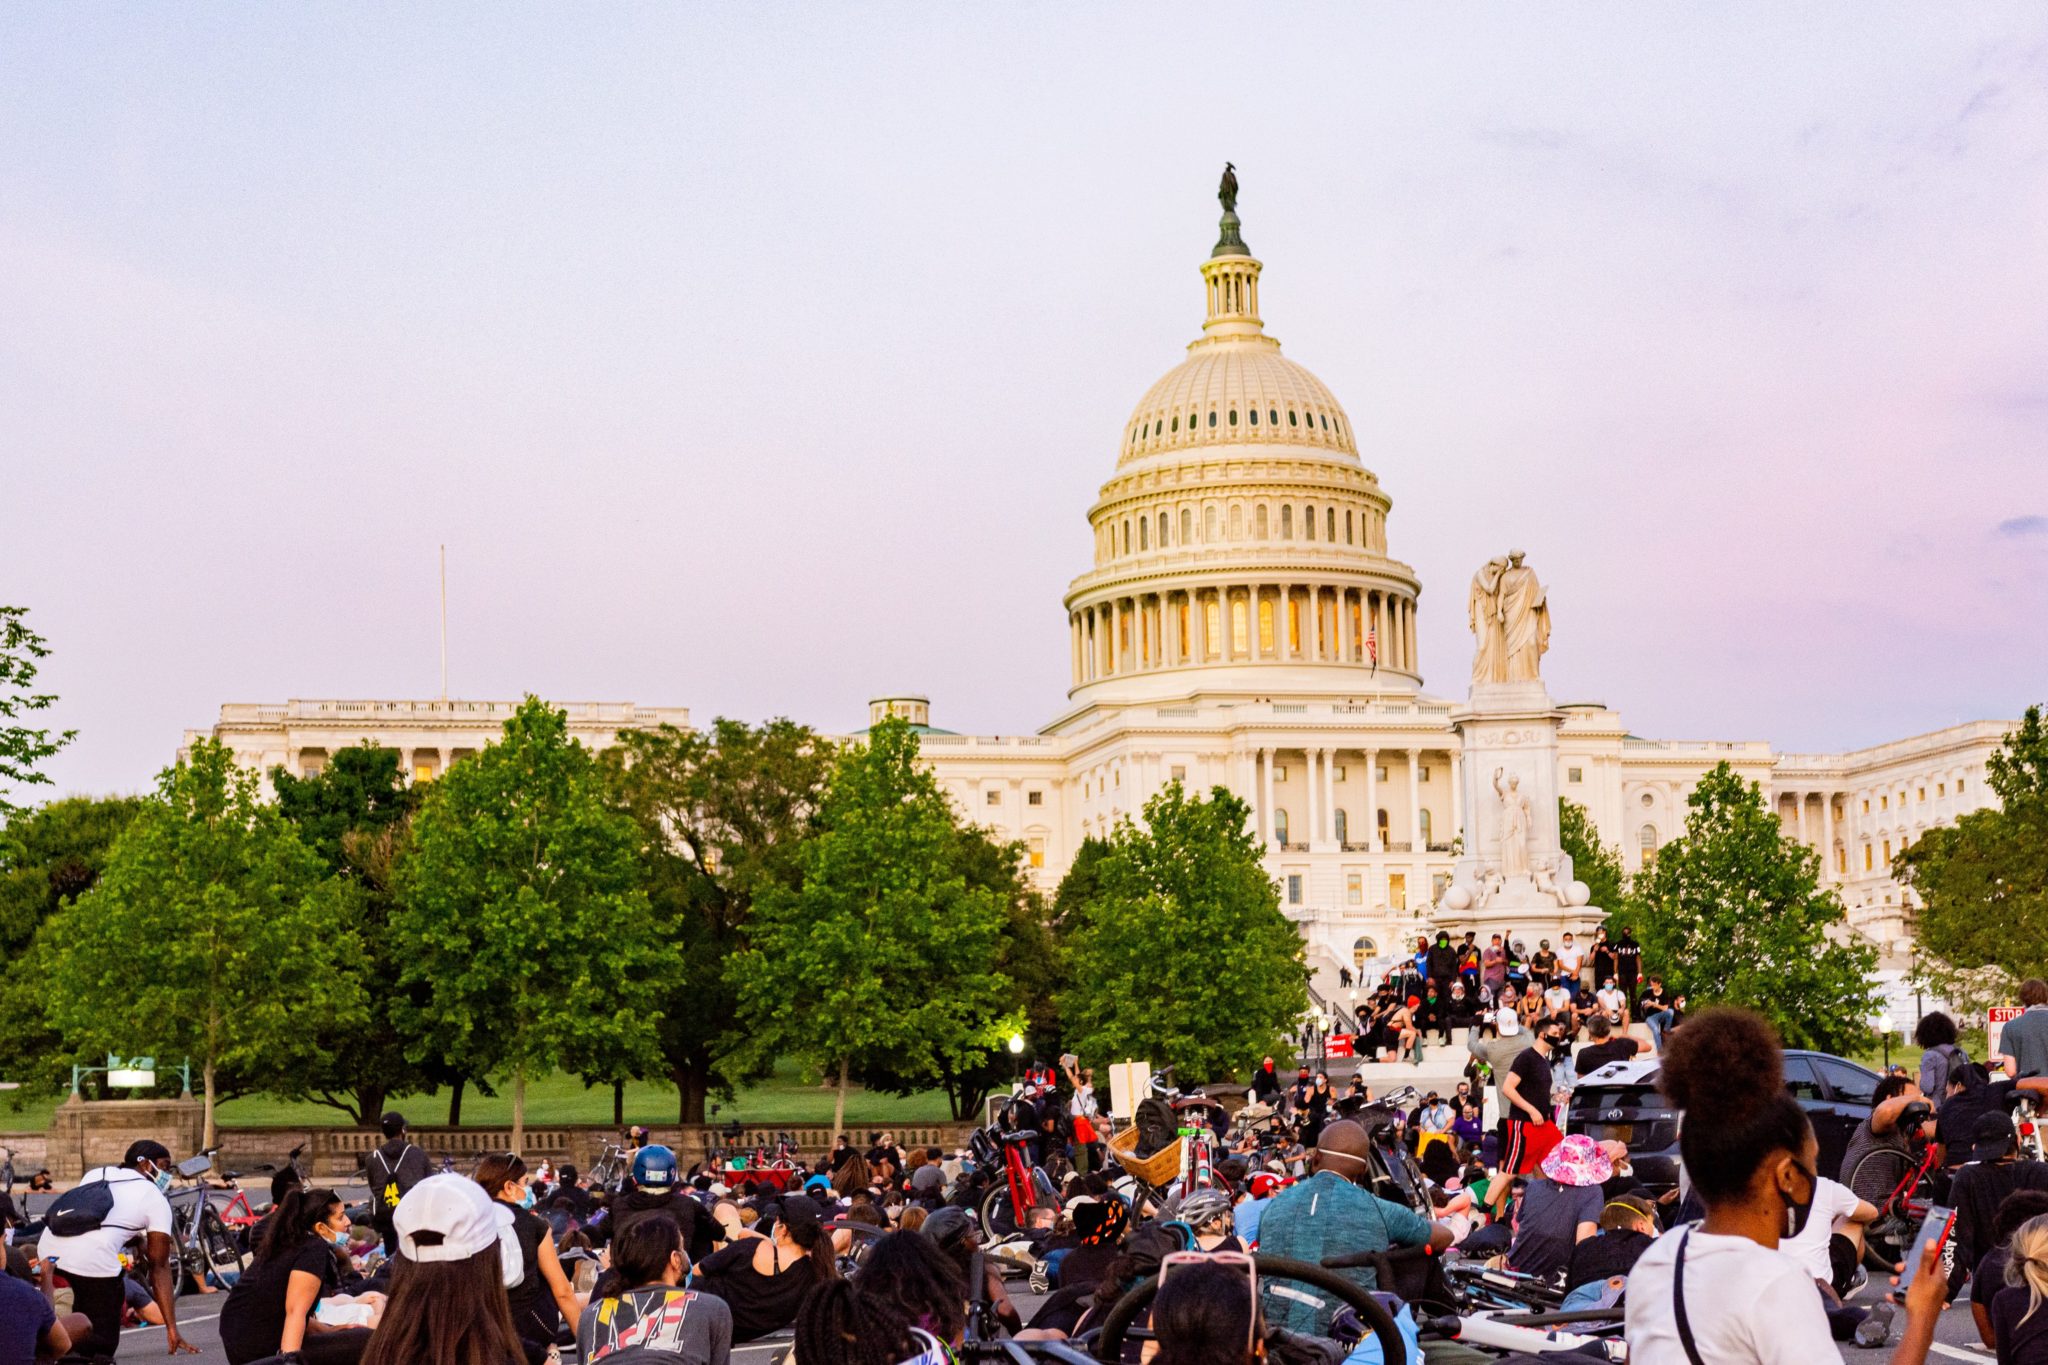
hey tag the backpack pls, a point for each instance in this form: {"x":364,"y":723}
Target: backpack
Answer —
{"x":384,"y":1196}
{"x":1951,"y":1058}
{"x":1158,"y":1126}
{"x":80,"y":1209}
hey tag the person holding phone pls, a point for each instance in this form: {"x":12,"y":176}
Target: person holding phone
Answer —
{"x":1722,"y":1291}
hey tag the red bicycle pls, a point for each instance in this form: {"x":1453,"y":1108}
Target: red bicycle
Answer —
{"x":1907,"y":1176}
{"x":1007,"y":1207}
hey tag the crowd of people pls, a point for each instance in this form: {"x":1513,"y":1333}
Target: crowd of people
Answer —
{"x":869,"y":1253}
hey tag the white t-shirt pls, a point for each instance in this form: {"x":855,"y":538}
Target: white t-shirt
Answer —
{"x":1612,"y":1001}
{"x":1747,"y":1304}
{"x":139,"y":1207}
{"x":1832,"y":1203}
{"x":1569,"y":956}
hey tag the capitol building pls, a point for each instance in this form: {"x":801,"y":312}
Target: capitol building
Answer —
{"x":1245,"y":621}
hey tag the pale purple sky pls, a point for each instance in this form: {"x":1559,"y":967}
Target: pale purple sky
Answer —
{"x":762,"y":359}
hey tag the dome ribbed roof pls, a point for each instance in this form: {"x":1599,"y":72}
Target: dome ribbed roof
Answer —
{"x":1237,"y":391}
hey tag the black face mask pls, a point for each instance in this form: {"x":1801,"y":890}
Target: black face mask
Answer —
{"x":1796,"y":1214}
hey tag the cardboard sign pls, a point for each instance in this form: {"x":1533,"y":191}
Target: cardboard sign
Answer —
{"x":1338,"y":1045}
{"x":1129,"y":1082}
{"x":1995,"y":1020}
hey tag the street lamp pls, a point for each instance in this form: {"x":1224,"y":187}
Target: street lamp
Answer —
{"x":1016,"y":1045}
{"x":1884,"y":1026}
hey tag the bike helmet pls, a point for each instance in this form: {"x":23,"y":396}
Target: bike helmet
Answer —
{"x":818,"y":1184}
{"x":654,"y":1168}
{"x":1202,"y":1207}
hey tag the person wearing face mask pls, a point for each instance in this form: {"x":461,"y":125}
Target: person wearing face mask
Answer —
{"x":543,"y":1297}
{"x":270,"y":1311}
{"x":132,"y":1205}
{"x":1723,"y":1290}
{"x":1526,"y":1102}
{"x":1331,"y":1213}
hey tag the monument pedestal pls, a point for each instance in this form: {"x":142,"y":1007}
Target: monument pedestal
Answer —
{"x":1514,"y":877}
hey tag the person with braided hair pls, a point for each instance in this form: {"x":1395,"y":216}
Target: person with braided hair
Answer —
{"x":1722,"y":1291}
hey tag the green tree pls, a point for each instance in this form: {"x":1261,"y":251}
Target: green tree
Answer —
{"x":355,"y":817}
{"x":1733,"y":913}
{"x":204,"y":936}
{"x":49,"y":857}
{"x":1183,"y":957}
{"x":1025,"y":957}
{"x":1596,"y":864}
{"x":722,"y":813}
{"x":1983,"y":882}
{"x":23,"y":748}
{"x":883,"y":949}
{"x":1083,"y":883}
{"x":522,"y":918}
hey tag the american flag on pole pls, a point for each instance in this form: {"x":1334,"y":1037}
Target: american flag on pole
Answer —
{"x":1372,"y":646}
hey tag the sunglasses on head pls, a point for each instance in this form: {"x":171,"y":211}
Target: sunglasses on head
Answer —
{"x":1236,"y":1260}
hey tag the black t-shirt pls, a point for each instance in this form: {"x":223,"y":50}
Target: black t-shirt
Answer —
{"x":1533,"y":1069}
{"x":2018,"y":1344}
{"x":1544,"y":964}
{"x":1977,"y":1191}
{"x":252,"y":1320}
{"x":760,"y":1303}
{"x":1957,"y":1119}
{"x":1593,"y":1056}
{"x":1603,"y":964}
{"x":1605,"y":1255}
{"x":1628,"y":960}
{"x":698,"y":1227}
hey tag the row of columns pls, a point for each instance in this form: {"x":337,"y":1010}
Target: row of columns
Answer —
{"x":1320,"y":766}
{"x":1313,"y":622}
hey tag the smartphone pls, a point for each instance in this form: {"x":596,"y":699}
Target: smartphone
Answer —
{"x":1940,"y":1222}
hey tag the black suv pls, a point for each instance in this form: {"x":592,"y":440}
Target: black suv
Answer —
{"x":1620,"y":1102}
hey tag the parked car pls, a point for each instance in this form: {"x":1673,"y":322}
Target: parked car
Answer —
{"x":1620,"y":1102}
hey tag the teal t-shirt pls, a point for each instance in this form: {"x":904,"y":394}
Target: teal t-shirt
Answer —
{"x":1327,"y":1215}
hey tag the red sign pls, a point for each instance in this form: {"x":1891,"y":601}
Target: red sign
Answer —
{"x":1995,"y":1020}
{"x":1337,"y":1045}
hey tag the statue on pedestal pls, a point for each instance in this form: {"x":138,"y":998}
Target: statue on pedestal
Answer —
{"x":1510,"y":615}
{"x":1514,"y":824}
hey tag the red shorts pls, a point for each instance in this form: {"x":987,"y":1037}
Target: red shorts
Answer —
{"x":1528,"y":1144}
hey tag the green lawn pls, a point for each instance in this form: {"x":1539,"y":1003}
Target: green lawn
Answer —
{"x":783,"y":1098}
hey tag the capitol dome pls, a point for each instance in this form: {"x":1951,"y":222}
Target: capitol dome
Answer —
{"x":1241,"y":542}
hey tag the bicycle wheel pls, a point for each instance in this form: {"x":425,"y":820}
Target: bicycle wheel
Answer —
{"x":220,"y":1249}
{"x":998,"y":1215}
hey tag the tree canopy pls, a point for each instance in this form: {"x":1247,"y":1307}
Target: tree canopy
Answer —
{"x":1983,"y":882}
{"x":23,"y":747}
{"x":721,"y":814}
{"x":522,"y":917}
{"x":883,"y":949}
{"x":1733,"y":913}
{"x":203,"y":936}
{"x":1596,"y":864}
{"x":1183,"y":956}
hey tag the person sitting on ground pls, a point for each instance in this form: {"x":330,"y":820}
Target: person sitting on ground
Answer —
{"x":763,"y":1279}
{"x":657,"y":1192}
{"x":1208,"y":1213}
{"x":1605,"y":1046}
{"x":543,"y":1298}
{"x":1970,"y":1097}
{"x":1208,"y":1314}
{"x":908,"y":1273}
{"x":270,"y":1310}
{"x":448,"y":1304}
{"x":31,"y":1329}
{"x":1830,"y":1246}
{"x":955,"y":1233}
{"x":1988,"y":1278}
{"x":1897,"y":1109}
{"x":1627,"y":1227}
{"x":1333,"y":1212}
{"x":1722,"y":1290}
{"x":1561,"y":1207}
{"x":1993,"y":1172}
{"x":650,"y":1311}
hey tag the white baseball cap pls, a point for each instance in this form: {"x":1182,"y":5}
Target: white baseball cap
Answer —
{"x":466,"y":1220}
{"x":1504,"y":1019}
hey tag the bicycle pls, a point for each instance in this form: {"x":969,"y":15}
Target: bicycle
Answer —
{"x":206,"y":1248}
{"x":1006,"y":1208}
{"x":1908,"y":1176}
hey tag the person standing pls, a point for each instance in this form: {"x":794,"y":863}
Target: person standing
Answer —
{"x":1442,"y":962}
{"x":1628,"y":962}
{"x":132,"y":1205}
{"x":1493,"y":966}
{"x":392,"y":1169}
{"x":1571,"y":959}
{"x":2023,"y":1045}
{"x":1526,"y":1102}
{"x":1602,"y":956}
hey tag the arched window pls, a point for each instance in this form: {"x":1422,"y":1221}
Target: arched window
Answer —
{"x":1259,"y":521}
{"x":1347,"y":527}
{"x":1380,"y":818}
{"x":1127,"y":536}
{"x":1233,"y":417}
{"x":1286,"y":521}
{"x":1187,"y":524}
{"x":1290,"y":417}
{"x":1237,"y":521}
{"x":1212,"y":417}
{"x":1330,"y":525}
{"x":1142,"y":529}
{"x":1209,"y":523}
{"x":1254,"y":416}
{"x":1343,"y":825}
{"x":1326,"y":421}
{"x":1362,"y":952}
{"x":1279,"y":826}
{"x":1308,"y":523}
{"x":1162,"y":530}
{"x":1646,"y":839}
{"x":1175,"y":424}
{"x":1265,"y":624}
{"x":1425,"y":828}
{"x":1272,"y":417}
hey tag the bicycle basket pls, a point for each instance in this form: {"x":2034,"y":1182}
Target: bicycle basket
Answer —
{"x":1156,"y":1169}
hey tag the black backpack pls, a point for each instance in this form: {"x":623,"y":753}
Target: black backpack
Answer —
{"x":80,"y":1209}
{"x":1158,"y":1126}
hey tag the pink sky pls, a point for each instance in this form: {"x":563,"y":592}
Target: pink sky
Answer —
{"x":763,"y":359}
